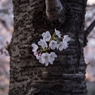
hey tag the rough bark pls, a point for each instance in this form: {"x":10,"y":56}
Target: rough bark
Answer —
{"x":67,"y":75}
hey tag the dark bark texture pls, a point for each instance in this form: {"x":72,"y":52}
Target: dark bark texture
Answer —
{"x":67,"y":75}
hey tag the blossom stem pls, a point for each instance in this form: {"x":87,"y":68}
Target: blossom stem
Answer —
{"x":44,"y":50}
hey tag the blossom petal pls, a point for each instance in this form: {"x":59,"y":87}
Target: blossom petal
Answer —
{"x":41,"y":60}
{"x":53,"y":44}
{"x":51,"y":62}
{"x":35,"y":47}
{"x":45,"y":58}
{"x":46,"y":64}
{"x":58,"y":33}
{"x":62,"y":45}
{"x":66,"y":38}
{"x":46,"y":36}
{"x":52,"y":57}
{"x":43,"y":44}
{"x":65,"y":44}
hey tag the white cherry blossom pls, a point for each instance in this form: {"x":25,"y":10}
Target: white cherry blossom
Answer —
{"x":58,"y":33}
{"x":62,"y":45}
{"x":47,"y":42}
{"x":37,"y":55}
{"x":41,"y":60}
{"x":42,"y":43}
{"x":46,"y":36}
{"x":35,"y":47}
{"x":52,"y":57}
{"x":66,"y":38}
{"x":65,"y":45}
{"x":53,"y":44}
{"x":44,"y":58}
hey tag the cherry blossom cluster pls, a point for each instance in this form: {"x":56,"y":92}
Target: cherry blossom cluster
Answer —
{"x":49,"y":43}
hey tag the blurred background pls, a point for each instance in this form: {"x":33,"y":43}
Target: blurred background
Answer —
{"x":6,"y":30}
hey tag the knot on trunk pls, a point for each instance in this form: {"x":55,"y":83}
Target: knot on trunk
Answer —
{"x":55,"y":10}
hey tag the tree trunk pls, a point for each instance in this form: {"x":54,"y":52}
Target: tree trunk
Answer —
{"x":67,"y":75}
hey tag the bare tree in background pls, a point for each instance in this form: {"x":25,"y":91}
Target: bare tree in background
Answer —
{"x":67,"y":75}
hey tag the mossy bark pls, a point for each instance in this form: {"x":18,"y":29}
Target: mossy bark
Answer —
{"x":67,"y":75}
